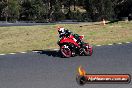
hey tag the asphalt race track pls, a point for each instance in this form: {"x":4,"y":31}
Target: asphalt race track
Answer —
{"x":47,"y":70}
{"x":23,"y":24}
{"x":33,"y":24}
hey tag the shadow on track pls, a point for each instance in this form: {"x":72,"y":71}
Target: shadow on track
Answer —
{"x":49,"y":52}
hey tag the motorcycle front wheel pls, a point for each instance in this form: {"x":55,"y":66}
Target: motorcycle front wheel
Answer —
{"x":66,"y":51}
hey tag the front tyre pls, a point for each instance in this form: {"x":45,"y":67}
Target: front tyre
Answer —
{"x":65,"y":51}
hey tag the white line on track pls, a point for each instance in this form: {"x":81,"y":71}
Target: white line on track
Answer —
{"x":2,"y":54}
{"x":12,"y":53}
{"x":98,"y":45}
{"x":110,"y":44}
{"x":56,"y":49}
{"x":128,"y":42}
{"x":35,"y":51}
{"x":23,"y":52}
{"x":119,"y":43}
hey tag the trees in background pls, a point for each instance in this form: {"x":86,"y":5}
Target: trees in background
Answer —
{"x":3,"y":10}
{"x":9,"y":10}
{"x":99,"y":9}
{"x":13,"y":8}
{"x":55,"y":10}
{"x":32,"y":10}
{"x":123,"y":8}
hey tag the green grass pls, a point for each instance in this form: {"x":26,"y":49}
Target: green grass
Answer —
{"x":26,"y":38}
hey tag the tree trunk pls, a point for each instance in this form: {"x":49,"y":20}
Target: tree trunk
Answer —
{"x":74,"y":5}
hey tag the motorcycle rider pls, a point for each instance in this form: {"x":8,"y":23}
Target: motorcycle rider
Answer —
{"x":65,"y":32}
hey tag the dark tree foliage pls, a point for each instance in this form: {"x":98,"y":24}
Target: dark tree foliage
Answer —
{"x":99,"y":9}
{"x":124,"y":9}
{"x":56,"y":10}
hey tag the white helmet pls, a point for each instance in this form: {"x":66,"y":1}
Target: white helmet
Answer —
{"x":61,"y":30}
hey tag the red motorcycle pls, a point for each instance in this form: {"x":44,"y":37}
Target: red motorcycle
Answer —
{"x":69,"y":47}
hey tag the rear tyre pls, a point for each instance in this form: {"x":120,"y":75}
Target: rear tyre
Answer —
{"x":66,"y":51}
{"x":88,"y":51}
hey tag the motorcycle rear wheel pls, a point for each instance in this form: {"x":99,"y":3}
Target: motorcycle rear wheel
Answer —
{"x":87,"y":51}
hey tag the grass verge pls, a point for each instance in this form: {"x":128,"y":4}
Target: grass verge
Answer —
{"x":26,"y":38}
